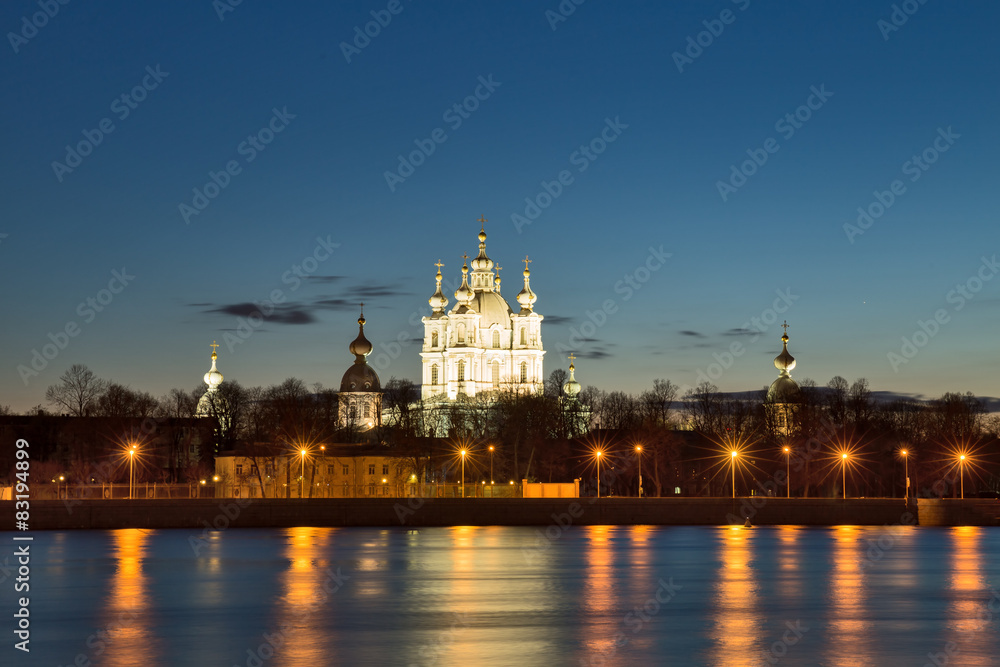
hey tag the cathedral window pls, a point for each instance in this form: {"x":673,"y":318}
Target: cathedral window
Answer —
{"x":524,"y":336}
{"x":353,"y":412}
{"x":368,"y":410}
{"x":461,"y":333}
{"x":434,"y":339}
{"x":434,"y":374}
{"x":496,"y":340}
{"x":461,"y":371}
{"x":524,"y":369}
{"x":496,"y":374}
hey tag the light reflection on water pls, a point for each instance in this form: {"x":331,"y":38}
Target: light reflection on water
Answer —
{"x":511,"y":596}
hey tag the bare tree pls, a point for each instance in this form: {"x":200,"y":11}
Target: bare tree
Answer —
{"x":554,"y":385}
{"x":78,"y":391}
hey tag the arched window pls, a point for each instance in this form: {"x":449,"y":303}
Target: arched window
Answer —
{"x":434,"y":339}
{"x":353,"y":412}
{"x":496,"y":339}
{"x":461,"y":371}
{"x":461,"y":333}
{"x":524,"y":369}
{"x":524,"y":336}
{"x":368,"y":410}
{"x":434,"y":374}
{"x":496,"y":374}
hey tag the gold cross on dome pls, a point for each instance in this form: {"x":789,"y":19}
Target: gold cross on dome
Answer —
{"x":526,"y":262}
{"x":785,"y":326}
{"x":439,"y":265}
{"x":499,"y":269}
{"x":214,"y":345}
{"x":571,"y":357}
{"x":482,"y":220}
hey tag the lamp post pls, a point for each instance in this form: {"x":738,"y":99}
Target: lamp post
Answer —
{"x":302,"y":481}
{"x":733,"y":455}
{"x":638,"y":454}
{"x":788,"y":471}
{"x":906,"y":474}
{"x":961,"y":473}
{"x":462,"y":452}
{"x":491,"y":464}
{"x":58,"y":491}
{"x":131,"y":470}
{"x":843,"y":466}
{"x":599,"y":454}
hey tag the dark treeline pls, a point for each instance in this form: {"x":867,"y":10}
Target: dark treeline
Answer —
{"x":685,"y":440}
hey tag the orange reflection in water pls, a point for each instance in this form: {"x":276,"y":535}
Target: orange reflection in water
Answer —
{"x":969,"y":627}
{"x":790,"y":562}
{"x":599,"y":597}
{"x":849,"y":632}
{"x":307,"y":586}
{"x":736,"y":627}
{"x":126,"y":637}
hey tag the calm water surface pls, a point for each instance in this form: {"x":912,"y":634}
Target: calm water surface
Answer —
{"x":630,"y":595}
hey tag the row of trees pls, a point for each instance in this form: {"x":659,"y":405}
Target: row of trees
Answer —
{"x":684,"y":439}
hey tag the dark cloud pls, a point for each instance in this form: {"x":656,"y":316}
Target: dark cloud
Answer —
{"x":696,"y":334}
{"x":596,"y":353}
{"x":557,"y":319}
{"x":282,"y":314}
{"x":324,"y":279}
{"x":740,"y":332}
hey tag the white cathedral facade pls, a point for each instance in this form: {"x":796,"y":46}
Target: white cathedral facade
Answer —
{"x":481,"y":344}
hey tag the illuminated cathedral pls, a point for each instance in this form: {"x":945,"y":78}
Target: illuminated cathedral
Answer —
{"x":481,"y":344}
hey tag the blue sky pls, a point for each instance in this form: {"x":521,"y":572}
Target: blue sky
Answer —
{"x":318,"y":188}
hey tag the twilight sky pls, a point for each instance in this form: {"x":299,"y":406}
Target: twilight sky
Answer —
{"x":710,"y":155}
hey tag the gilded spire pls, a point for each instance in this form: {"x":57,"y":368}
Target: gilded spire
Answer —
{"x":438,"y":300}
{"x":361,"y":347}
{"x":571,"y":388}
{"x":213,"y":378}
{"x":526,"y":297}
{"x":464,"y":295}
{"x":784,"y":362}
{"x":482,"y":265}
{"x":496,"y":280}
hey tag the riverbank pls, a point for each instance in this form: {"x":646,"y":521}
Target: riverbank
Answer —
{"x":277,"y":513}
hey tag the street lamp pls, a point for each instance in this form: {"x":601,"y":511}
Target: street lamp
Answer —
{"x":906,"y":474}
{"x":302,"y":481}
{"x":599,"y":454}
{"x":491,"y":464}
{"x":961,"y":473}
{"x":788,"y":470}
{"x":638,"y":453}
{"x":131,"y":471}
{"x":58,"y":492}
{"x":843,"y":465}
{"x":733,"y":454}
{"x":463,"y":452}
